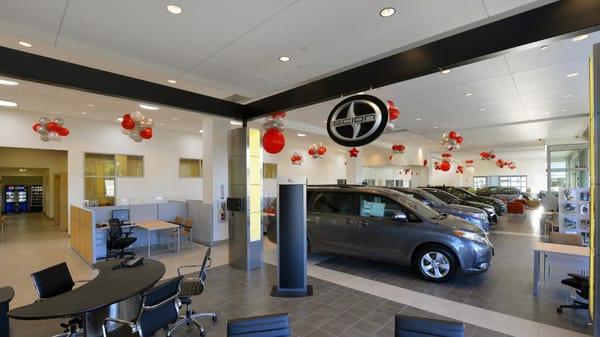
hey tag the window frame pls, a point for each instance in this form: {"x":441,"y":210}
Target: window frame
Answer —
{"x":200,"y":169}
{"x":315,"y":197}
{"x":411,"y":216}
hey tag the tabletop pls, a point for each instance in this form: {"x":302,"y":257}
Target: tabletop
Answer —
{"x":156,"y":225}
{"x":110,"y":286}
{"x":561,"y":249}
{"x":6,"y":294}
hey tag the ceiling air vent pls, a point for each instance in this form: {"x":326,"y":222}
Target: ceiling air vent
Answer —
{"x":237,"y":98}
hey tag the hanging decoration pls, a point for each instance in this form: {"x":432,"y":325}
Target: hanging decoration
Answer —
{"x":297,"y":158}
{"x":445,"y":164}
{"x":51,"y":129}
{"x":460,"y":169}
{"x":137,"y":126}
{"x":390,"y":157}
{"x":487,"y":155}
{"x":469,"y":165}
{"x":506,"y":164}
{"x":425,"y":162}
{"x":451,"y":140}
{"x":353,"y":152}
{"x":406,"y":171}
{"x":317,"y":151}
{"x":393,"y":111}
{"x":273,"y":138}
{"x":398,"y":148}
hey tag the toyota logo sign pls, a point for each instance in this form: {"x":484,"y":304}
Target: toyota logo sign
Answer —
{"x":357,"y":120}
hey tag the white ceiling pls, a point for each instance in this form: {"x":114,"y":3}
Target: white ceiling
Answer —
{"x":232,"y":46}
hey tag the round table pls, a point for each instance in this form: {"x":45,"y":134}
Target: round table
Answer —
{"x":100,"y":296}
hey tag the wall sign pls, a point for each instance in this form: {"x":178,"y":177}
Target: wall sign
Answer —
{"x":358,"y":120}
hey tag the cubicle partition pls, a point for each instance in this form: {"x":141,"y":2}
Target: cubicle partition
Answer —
{"x":82,"y":233}
{"x":201,"y":214}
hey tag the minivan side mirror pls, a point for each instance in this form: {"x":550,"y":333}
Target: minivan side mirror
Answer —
{"x":400,"y":216}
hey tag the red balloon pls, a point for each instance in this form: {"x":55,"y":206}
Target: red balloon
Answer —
{"x":394,"y":113}
{"x":127,"y":123}
{"x":311,"y":151}
{"x":36,"y":126}
{"x":425,"y":162}
{"x":452,"y":135}
{"x":321,"y":151}
{"x":146,"y":133}
{"x":52,"y":126}
{"x":493,"y":156}
{"x":274,"y":141}
{"x":445,"y":166}
{"x":62,"y":131}
{"x":459,"y":139}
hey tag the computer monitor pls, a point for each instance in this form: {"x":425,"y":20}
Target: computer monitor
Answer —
{"x":121,"y":214}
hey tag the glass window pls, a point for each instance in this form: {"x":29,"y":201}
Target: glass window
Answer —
{"x":129,"y":166}
{"x":479,"y":182}
{"x":330,"y":202}
{"x":519,"y":182}
{"x":269,"y":171}
{"x":372,"y":205}
{"x":190,"y":168}
{"x":100,"y":191}
{"x":341,"y":181}
{"x":99,"y":165}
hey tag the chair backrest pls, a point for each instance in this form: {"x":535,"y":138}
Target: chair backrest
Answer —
{"x":407,"y":326}
{"x":277,"y":325}
{"x":187,"y":222}
{"x":206,"y":262}
{"x":178,"y":220}
{"x":115,"y":230}
{"x":159,"y":307}
{"x":566,"y":239}
{"x":53,"y":281}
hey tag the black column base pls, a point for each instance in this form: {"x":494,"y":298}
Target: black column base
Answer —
{"x":276,"y":293}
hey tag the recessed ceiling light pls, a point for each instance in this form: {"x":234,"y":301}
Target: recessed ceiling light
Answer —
{"x":482,"y":109}
{"x":91,"y":105}
{"x":580,"y":37}
{"x":22,"y":170}
{"x":148,"y":107}
{"x":436,"y":127}
{"x":418,"y":119}
{"x":201,"y":131}
{"x":301,"y":135}
{"x":172,"y":81}
{"x":120,"y":119}
{"x":162,"y":124}
{"x":544,"y":47}
{"x":25,"y":44}
{"x":564,"y":110}
{"x":84,"y":113}
{"x":547,"y":112}
{"x":468,"y":94}
{"x":324,"y":122}
{"x":174,"y":9}
{"x":568,"y":96}
{"x":175,"y":118}
{"x":284,"y":58}
{"x":235,"y":123}
{"x":387,"y":12}
{"x":572,"y":74}
{"x":446,"y":71}
{"x":7,"y":103}
{"x":8,"y":82}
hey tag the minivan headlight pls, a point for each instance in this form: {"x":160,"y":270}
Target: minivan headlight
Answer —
{"x":481,"y":215}
{"x":470,"y":236}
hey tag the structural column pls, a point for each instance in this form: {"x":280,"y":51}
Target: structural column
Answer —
{"x":594,"y":132}
{"x":354,"y":171}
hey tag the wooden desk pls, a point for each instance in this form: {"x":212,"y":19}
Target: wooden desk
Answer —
{"x":540,"y":248}
{"x":152,"y":226}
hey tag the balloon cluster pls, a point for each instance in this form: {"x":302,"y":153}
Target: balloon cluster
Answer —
{"x":50,"y":129}
{"x":451,"y":140}
{"x":317,"y":151}
{"x":353,"y":152}
{"x":137,"y":126}
{"x":273,"y":138}
{"x":297,"y":158}
{"x":508,"y":164}
{"x":460,"y":169}
{"x":393,"y":111}
{"x":425,"y":162}
{"x":445,"y":164}
{"x":469,"y":163}
{"x":398,"y":148}
{"x":487,"y":155}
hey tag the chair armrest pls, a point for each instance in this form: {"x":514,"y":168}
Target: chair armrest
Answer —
{"x":579,"y":277}
{"x":131,"y":325}
{"x":82,"y":281}
{"x":186,"y":267}
{"x":157,"y":305}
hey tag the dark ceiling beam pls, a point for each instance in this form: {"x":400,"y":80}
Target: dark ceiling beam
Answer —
{"x":556,"y":20}
{"x":40,"y":69}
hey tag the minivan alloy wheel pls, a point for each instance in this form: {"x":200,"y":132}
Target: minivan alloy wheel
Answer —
{"x":435,"y":264}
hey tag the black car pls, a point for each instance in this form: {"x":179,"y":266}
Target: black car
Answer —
{"x":507,"y":194}
{"x":463,"y":194}
{"x":451,"y":199}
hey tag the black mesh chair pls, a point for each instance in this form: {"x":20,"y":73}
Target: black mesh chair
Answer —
{"x":159,"y":309}
{"x":277,"y":325}
{"x":193,"y":286}
{"x":408,"y":326}
{"x":117,"y":240}
{"x":54,"y":281}
{"x":581,"y":284}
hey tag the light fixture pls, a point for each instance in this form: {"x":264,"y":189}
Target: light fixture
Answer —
{"x":84,"y":113}
{"x":284,"y":58}
{"x":235,"y":123}
{"x":120,"y":119}
{"x":148,"y":107}
{"x":468,"y":94}
{"x":387,"y":12}
{"x":172,"y":81}
{"x":25,"y":44}
{"x":564,"y":110}
{"x":547,"y":112}
{"x":91,"y":105}
{"x":572,"y":74}
{"x":301,"y":135}
{"x":201,"y":131}
{"x":446,"y":71}
{"x":544,"y":47}
{"x":22,"y":170}
{"x":7,"y":103}
{"x":580,"y":37}
{"x":162,"y":124}
{"x":175,"y":118}
{"x":8,"y":82}
{"x":174,"y":9}
{"x":436,"y":127}
{"x":482,"y":109}
{"x":568,"y":96}
{"x":418,"y":119}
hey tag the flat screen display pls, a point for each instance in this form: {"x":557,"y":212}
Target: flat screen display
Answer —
{"x":121,"y":214}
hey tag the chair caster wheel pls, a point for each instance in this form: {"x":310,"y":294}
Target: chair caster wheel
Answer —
{"x":559,"y":310}
{"x":202,"y":334}
{"x":215,"y":318}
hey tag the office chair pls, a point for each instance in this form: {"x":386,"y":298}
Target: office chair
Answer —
{"x":407,"y":326}
{"x":277,"y":325}
{"x":582,"y":288}
{"x":118,"y":241}
{"x":158,"y":310}
{"x":54,"y":281}
{"x":193,"y":286}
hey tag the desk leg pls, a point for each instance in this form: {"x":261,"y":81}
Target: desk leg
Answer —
{"x":536,"y":272}
{"x":148,"y":244}
{"x":179,"y":239}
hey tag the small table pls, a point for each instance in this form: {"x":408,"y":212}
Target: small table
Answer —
{"x":540,"y":248}
{"x":6,"y":295}
{"x":152,"y":226}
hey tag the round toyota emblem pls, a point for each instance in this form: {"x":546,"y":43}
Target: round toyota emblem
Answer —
{"x":358,"y":120}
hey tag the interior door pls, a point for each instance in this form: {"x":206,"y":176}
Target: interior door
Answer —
{"x":333,"y":222}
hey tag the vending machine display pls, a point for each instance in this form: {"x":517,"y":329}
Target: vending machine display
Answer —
{"x":36,"y":198}
{"x":15,"y":199}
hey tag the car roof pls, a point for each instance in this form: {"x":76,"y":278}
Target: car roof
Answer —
{"x":381,"y":190}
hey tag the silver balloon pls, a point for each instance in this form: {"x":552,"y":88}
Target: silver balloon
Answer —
{"x":59,"y":121}
{"x":149,"y":122}
{"x":125,"y":131}
{"x":53,"y":136}
{"x":44,"y":138}
{"x":43,"y":121}
{"x":135,"y":136}
{"x":42,"y":130}
{"x":137,"y":117}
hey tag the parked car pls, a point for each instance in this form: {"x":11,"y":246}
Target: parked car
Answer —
{"x":451,"y":199}
{"x":471,"y":214}
{"x":463,"y":194}
{"x":382,"y":224}
{"x":506,"y":194}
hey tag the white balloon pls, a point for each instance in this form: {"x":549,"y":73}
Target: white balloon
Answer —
{"x":59,"y":121}
{"x":135,"y":136}
{"x":52,"y":135}
{"x":149,"y":122}
{"x":137,"y":117}
{"x":44,"y":138}
{"x":44,"y":121}
{"x":42,"y":130}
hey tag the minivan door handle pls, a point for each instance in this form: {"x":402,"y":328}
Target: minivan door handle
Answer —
{"x":364,"y":222}
{"x":349,"y":221}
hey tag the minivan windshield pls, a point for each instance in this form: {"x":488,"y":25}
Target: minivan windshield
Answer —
{"x":416,"y":206}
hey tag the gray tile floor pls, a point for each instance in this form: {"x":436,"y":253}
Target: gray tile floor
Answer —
{"x":332,"y":311}
{"x":505,"y":288}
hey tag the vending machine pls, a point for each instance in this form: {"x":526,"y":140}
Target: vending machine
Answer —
{"x":15,"y":199}
{"x":36,"y":198}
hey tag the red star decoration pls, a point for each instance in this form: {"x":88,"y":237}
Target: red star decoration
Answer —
{"x":353,"y":152}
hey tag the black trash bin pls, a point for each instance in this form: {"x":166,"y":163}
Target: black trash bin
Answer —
{"x":6,"y":295}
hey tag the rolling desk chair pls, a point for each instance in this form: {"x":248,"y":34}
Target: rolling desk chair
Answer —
{"x":193,"y":286}
{"x":277,"y":325}
{"x":158,"y":310}
{"x":54,"y":281}
{"x":416,"y":326}
{"x":118,"y":241}
{"x":581,"y":284}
